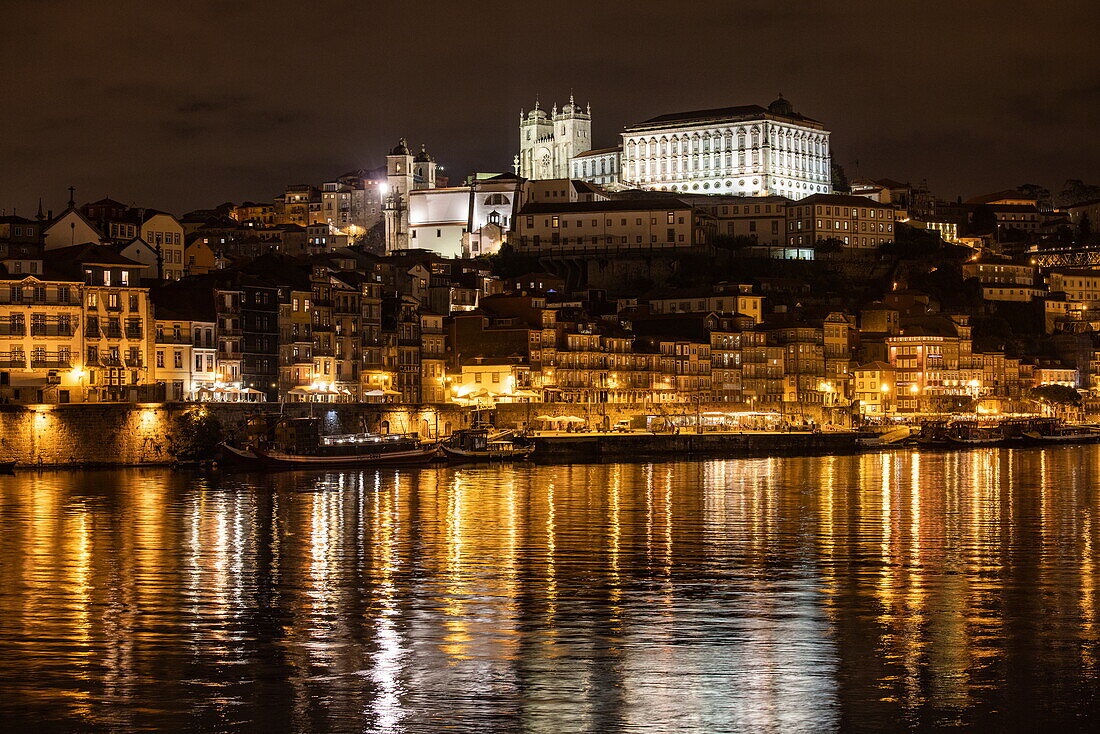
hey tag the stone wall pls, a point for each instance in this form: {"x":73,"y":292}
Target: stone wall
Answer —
{"x":104,"y":434}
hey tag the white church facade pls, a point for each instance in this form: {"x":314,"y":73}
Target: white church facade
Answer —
{"x":547,"y":143}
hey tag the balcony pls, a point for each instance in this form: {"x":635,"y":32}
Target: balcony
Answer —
{"x":50,"y":361}
{"x":51,"y":329}
{"x":111,"y":333}
{"x":10,"y":329}
{"x":136,"y":333}
{"x":13,"y":360}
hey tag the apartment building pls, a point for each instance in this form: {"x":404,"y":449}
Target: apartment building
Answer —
{"x":855,"y":221}
{"x":596,"y":227}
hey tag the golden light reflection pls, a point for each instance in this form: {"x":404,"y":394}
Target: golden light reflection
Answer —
{"x":897,"y":585}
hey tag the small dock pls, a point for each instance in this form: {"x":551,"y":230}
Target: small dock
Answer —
{"x":557,"y":446}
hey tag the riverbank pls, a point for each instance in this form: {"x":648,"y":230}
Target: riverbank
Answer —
{"x":150,"y":434}
{"x":580,"y":446}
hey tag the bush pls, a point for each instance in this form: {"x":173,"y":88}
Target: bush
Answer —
{"x":195,"y":435}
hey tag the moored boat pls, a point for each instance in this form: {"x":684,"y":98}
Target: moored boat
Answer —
{"x":298,"y":444}
{"x":8,"y":467}
{"x":482,"y":444}
{"x":1065,"y":434}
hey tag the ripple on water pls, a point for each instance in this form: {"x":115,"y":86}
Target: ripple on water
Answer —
{"x":782,"y":594}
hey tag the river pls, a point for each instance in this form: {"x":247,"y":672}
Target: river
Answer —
{"x":852,"y":593}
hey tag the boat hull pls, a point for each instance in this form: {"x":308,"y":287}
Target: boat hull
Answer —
{"x":276,"y":460}
{"x":515,"y":454}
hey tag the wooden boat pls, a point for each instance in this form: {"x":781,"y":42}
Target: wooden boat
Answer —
{"x":481,"y":444}
{"x":8,"y":467}
{"x":297,"y":443}
{"x":978,"y":440}
{"x":1067,"y":434}
{"x":389,"y":453}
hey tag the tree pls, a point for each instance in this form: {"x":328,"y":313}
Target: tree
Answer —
{"x":733,"y":243}
{"x":1056,"y":395}
{"x":1074,"y":191}
{"x":1084,"y":228}
{"x":984,"y":220}
{"x":1040,"y":193}
{"x":840,"y":179}
{"x":195,"y":435}
{"x":374,"y":241}
{"x":829,"y":245}
{"x":990,"y":333}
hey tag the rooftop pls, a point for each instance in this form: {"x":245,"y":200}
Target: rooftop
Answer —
{"x":618,"y":205}
{"x":724,"y":114}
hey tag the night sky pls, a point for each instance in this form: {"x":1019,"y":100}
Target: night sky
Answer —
{"x":180,"y":105}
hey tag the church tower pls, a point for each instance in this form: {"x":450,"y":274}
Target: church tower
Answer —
{"x":572,"y":135}
{"x":423,"y":170}
{"x":548,"y":142}
{"x":536,"y":132}
{"x":395,"y":205}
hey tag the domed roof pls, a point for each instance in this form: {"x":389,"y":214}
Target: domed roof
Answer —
{"x":423,"y":157}
{"x":780,"y":107}
{"x":402,"y":148}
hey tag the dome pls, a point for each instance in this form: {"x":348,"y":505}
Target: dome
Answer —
{"x":402,"y":148}
{"x":780,"y":107}
{"x":423,"y":157}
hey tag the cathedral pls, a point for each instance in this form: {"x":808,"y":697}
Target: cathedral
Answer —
{"x":547,"y":143}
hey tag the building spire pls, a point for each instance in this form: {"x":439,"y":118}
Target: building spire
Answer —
{"x":40,"y":216}
{"x":72,"y":197}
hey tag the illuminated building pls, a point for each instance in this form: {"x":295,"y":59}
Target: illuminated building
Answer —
{"x":110,"y":222}
{"x":41,"y":339}
{"x":547,"y":143}
{"x":600,"y":166}
{"x":664,"y":224}
{"x":874,"y":388}
{"x":853,"y":221}
{"x":433,"y":358}
{"x":747,"y":151}
{"x":184,"y":357}
{"x":725,"y":298}
{"x":79,"y":330}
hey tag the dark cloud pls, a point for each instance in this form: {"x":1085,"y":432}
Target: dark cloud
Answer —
{"x":209,"y":105}
{"x":180,"y":105}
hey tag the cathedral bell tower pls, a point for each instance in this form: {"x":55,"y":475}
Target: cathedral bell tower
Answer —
{"x":572,"y":136}
{"x":548,"y":142}
{"x":400,"y":180}
{"x":423,"y":170}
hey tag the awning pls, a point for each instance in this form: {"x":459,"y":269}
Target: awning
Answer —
{"x":28,"y":382}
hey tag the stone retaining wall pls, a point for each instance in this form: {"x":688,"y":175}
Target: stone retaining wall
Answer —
{"x":104,"y":434}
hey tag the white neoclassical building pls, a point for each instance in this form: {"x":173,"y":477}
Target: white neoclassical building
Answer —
{"x":599,"y":166}
{"x":745,"y":151}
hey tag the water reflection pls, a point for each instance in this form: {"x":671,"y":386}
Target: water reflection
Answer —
{"x":793,"y":594}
